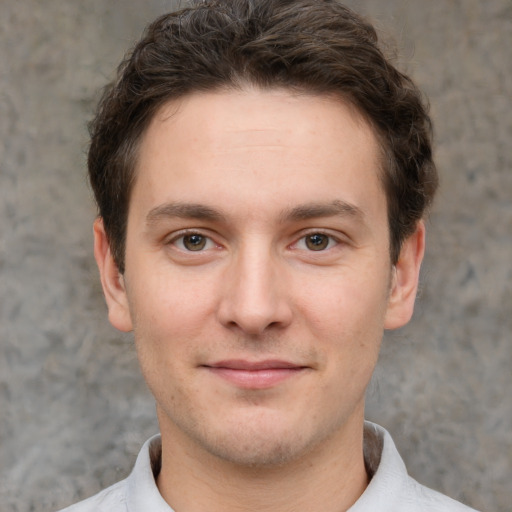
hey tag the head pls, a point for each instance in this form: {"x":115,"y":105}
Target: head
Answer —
{"x":310,"y":46}
{"x":261,"y":172}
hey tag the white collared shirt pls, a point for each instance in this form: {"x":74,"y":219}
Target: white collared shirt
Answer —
{"x":391,"y":489}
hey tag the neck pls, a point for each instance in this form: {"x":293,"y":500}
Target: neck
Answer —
{"x":329,"y":478}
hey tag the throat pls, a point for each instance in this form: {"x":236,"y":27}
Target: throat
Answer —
{"x":306,"y":484}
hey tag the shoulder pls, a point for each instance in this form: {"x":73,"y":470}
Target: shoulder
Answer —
{"x":111,"y":499}
{"x":137,"y":492}
{"x":422,"y":499}
{"x":391,"y":489}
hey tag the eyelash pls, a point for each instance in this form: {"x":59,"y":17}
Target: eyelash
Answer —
{"x":209,"y":243}
{"x":175,"y":240}
{"x":332,"y":241}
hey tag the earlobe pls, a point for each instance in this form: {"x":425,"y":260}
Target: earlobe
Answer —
{"x":405,"y":280}
{"x":112,"y":280}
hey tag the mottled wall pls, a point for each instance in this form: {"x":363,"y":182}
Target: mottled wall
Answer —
{"x":73,"y":408}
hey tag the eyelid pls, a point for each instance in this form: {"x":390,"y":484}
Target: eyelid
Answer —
{"x":337,"y":238}
{"x":177,"y":235}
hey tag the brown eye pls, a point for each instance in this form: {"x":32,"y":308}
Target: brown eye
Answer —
{"x":194,"y":242}
{"x":317,"y":242}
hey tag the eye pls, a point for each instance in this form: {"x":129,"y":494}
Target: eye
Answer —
{"x":193,"y":242}
{"x":316,"y":242}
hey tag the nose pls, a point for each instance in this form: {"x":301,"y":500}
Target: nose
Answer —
{"x":254,"y":298}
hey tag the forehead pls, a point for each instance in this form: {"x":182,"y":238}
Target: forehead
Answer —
{"x":276,"y":145}
{"x":265,"y":112}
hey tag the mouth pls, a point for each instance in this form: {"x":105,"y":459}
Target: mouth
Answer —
{"x":255,"y":374}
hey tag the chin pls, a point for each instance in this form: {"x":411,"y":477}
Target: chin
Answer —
{"x":261,"y":442}
{"x":257,"y":451}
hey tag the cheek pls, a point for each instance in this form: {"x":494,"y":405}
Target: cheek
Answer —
{"x":341,"y":304}
{"x":170,"y":317}
{"x":347,"y":321}
{"x":170,"y":299}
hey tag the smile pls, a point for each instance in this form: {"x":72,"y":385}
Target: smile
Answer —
{"x":255,"y":375}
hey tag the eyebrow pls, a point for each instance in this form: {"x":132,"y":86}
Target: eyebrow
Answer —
{"x":184,"y":211}
{"x":316,"y":210}
{"x":301,"y":212}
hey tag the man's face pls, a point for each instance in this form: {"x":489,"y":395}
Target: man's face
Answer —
{"x":258,"y":280}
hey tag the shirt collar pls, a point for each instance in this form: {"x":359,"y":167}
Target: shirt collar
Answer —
{"x":142,"y":492}
{"x":388,"y":473}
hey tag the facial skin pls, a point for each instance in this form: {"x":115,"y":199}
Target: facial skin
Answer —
{"x":258,"y":280}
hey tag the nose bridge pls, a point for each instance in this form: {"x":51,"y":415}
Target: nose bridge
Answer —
{"x":254,"y":298}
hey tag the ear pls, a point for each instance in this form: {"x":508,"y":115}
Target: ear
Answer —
{"x":405,"y":280}
{"x":112,"y":280}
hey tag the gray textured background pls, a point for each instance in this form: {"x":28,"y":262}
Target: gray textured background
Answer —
{"x":73,"y":407}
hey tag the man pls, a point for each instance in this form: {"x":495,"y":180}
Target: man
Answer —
{"x":262,"y":173}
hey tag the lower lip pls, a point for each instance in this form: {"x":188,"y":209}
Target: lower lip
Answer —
{"x":256,"y":379}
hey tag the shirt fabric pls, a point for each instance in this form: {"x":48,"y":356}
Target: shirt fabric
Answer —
{"x":390,"y":489}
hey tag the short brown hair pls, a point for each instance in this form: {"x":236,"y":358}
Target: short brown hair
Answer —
{"x":315,"y":46}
